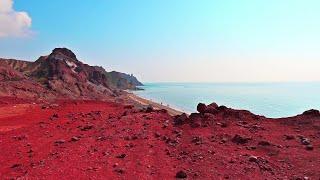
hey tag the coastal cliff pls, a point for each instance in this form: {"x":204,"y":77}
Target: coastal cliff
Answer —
{"x":61,"y":74}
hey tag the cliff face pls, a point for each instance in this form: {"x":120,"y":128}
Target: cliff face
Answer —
{"x":61,"y":72}
{"x":123,"y":81}
{"x":16,"y":84}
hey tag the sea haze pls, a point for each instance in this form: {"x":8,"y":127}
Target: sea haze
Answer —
{"x":268,"y":99}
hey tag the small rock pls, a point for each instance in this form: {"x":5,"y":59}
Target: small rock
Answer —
{"x":157,"y":134}
{"x":165,"y":138}
{"x":197,"y":140}
{"x":101,"y":138}
{"x":55,"y":116}
{"x":305,"y":141}
{"x":253,"y":158}
{"x":264,"y":143}
{"x":239,"y":139}
{"x":223,"y":125}
{"x":231,"y":160}
{"x":181,"y":175}
{"x":16,"y":165}
{"x":149,"y":109}
{"x":289,"y":137}
{"x":119,"y":170}
{"x":61,"y":141}
{"x":224,"y":140}
{"x":75,"y":138}
{"x":124,"y":113}
{"x":87,"y":127}
{"x":105,"y":153}
{"x":309,"y":147}
{"x":165,"y":124}
{"x":121,"y":156}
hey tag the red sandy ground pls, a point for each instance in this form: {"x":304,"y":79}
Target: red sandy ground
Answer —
{"x":104,"y":140}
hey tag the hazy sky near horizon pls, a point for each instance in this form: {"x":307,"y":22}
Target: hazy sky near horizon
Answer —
{"x":172,"y":40}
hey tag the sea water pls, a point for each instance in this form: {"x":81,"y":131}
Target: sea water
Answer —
{"x":269,"y":99}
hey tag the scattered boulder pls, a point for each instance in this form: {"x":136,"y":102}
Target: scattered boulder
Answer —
{"x":121,"y":156}
{"x":253,"y":158}
{"x":119,"y":170}
{"x":305,"y":141}
{"x":212,"y":108}
{"x":165,"y":124}
{"x":239,"y":139}
{"x":54,"y":116}
{"x":223,"y":140}
{"x":213,"y":105}
{"x":125,"y":113}
{"x":223,"y":124}
{"x":222,"y":108}
{"x":309,"y":147}
{"x":149,"y":109}
{"x":16,"y":165}
{"x":105,"y":153}
{"x":312,"y":112}
{"x":86,"y":127}
{"x":197,"y":140}
{"x":201,"y":108}
{"x":157,"y":134}
{"x":75,"y":138}
{"x":181,"y":175}
{"x":180,"y":119}
{"x":289,"y":137}
{"x":264,"y":143}
{"x":60,"y":141}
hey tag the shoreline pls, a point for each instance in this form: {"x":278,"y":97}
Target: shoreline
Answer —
{"x":145,"y":102}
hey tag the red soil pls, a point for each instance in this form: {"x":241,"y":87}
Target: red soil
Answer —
{"x":105,"y":140}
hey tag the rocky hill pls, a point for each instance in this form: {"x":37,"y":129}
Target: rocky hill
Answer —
{"x":61,"y":73}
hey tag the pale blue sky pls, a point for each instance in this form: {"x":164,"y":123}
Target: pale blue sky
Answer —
{"x":178,"y":40}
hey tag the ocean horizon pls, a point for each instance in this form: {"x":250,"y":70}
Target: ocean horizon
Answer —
{"x":272,"y":100}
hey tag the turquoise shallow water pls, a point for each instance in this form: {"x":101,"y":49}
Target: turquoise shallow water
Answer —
{"x":268,"y":99}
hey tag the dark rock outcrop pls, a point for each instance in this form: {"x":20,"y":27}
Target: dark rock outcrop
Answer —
{"x":201,"y":108}
{"x":312,"y":112}
{"x":211,"y":108}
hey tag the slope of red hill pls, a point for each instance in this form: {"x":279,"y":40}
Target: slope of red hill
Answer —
{"x":77,"y":139}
